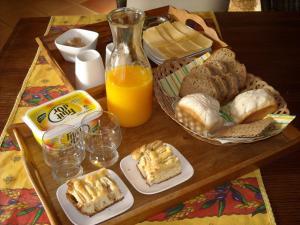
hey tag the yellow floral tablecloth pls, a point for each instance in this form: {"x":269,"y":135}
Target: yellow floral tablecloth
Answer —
{"x":242,"y":201}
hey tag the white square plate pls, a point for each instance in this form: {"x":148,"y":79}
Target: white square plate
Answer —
{"x":79,"y":219}
{"x":133,"y":175}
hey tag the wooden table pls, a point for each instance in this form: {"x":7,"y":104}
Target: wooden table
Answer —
{"x":265,"y":42}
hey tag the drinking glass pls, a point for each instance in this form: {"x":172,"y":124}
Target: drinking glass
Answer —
{"x":101,"y":138}
{"x":63,"y":152}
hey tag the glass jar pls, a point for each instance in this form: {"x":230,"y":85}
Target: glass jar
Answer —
{"x":129,"y":80}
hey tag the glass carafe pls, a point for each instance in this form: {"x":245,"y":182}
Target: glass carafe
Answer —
{"x":128,"y":73}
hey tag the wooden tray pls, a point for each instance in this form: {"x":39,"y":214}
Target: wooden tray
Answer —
{"x":207,"y":27}
{"x":212,"y":164}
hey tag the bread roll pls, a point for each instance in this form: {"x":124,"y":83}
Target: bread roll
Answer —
{"x":252,"y":105}
{"x":199,"y":112}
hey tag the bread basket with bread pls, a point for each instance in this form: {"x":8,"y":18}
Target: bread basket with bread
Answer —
{"x":215,"y":99}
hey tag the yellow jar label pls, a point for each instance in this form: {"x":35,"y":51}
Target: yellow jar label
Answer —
{"x":68,"y":109}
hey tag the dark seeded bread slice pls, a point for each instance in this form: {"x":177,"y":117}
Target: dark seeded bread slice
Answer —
{"x":227,"y":86}
{"x":216,"y":67}
{"x":201,"y":69}
{"x":223,"y":55}
{"x":222,"y":88}
{"x":198,"y":83}
{"x":232,"y":82}
{"x":239,"y":70}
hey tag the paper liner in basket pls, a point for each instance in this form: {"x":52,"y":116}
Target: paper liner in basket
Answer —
{"x":168,"y":78}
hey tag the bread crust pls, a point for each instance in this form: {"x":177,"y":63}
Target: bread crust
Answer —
{"x":157,"y":162}
{"x":158,"y":182}
{"x":195,"y":122}
{"x":222,"y":54}
{"x":232,"y":84}
{"x":75,"y":192}
{"x":260,"y":114}
{"x":74,"y":203}
{"x":216,"y":67}
{"x":252,"y":105}
{"x":221,"y":77}
{"x":249,"y":130}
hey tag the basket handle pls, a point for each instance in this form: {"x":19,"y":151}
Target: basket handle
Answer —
{"x":183,"y":16}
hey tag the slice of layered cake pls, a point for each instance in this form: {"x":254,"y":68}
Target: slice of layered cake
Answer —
{"x":156,"y":162}
{"x":94,"y":192}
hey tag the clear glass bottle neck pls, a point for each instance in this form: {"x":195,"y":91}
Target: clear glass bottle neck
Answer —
{"x":126,"y":26}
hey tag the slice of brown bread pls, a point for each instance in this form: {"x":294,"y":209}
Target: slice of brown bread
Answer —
{"x":228,"y":88}
{"x":223,"y":55}
{"x":216,"y":67}
{"x":232,"y":82}
{"x":201,"y":69}
{"x":250,"y":130}
{"x":197,"y":82}
{"x":239,"y":70}
{"x":222,"y":87}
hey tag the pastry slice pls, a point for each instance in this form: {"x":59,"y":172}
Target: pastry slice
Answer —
{"x":156,"y":162}
{"x":93,"y":193}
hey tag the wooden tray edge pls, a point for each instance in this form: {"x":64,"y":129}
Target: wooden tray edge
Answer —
{"x":140,"y":214}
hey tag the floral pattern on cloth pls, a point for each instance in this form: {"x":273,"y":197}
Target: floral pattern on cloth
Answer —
{"x":238,"y":197}
{"x":34,"y":96}
{"x":8,"y":144}
{"x":41,"y":60}
{"x":21,"y":207}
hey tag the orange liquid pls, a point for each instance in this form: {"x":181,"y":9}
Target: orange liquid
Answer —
{"x":129,"y":94}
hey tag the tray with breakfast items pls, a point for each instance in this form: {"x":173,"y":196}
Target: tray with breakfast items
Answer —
{"x":206,"y":107}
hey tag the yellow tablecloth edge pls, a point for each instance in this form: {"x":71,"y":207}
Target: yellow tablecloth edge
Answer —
{"x":19,"y":96}
{"x":265,"y":197}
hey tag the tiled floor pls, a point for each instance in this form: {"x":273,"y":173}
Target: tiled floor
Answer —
{"x":12,"y":10}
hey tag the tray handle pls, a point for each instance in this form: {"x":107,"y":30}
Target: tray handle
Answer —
{"x":36,"y":180}
{"x":183,"y":16}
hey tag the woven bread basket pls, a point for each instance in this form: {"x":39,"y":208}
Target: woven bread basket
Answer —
{"x":168,"y":103}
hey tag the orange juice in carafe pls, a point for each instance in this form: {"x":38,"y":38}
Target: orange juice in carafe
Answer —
{"x":129,"y":94}
{"x":128,"y":73}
